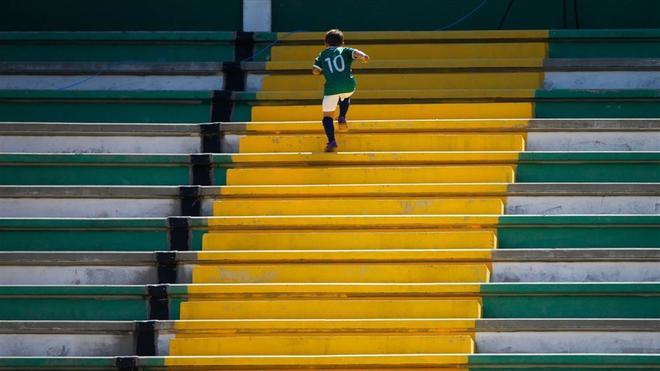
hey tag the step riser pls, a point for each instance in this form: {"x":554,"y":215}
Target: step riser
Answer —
{"x":331,"y":309}
{"x":371,"y":175}
{"x":358,"y":206}
{"x":340,"y":273}
{"x":424,"y":51}
{"x":326,"y":345}
{"x":383,"y":143}
{"x":348,"y":240}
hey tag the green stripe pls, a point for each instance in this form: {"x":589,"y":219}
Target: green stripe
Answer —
{"x":571,"y":220}
{"x":589,"y":156}
{"x":578,"y":231}
{"x":641,"y":288}
{"x":81,"y":290}
{"x":241,"y":112}
{"x":119,"y":36}
{"x":83,"y":223}
{"x":114,"y":111}
{"x":105,"y":94}
{"x":597,"y":94}
{"x":94,"y":175}
{"x":110,"y":303}
{"x":571,"y":306}
{"x":588,"y":172}
{"x":81,"y":158}
{"x":639,"y":43}
{"x":575,"y":360}
{"x":58,"y":362}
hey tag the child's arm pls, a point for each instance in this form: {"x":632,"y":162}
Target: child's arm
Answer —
{"x":316,"y":70}
{"x":359,"y":54}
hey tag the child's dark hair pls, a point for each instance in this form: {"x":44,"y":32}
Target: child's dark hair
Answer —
{"x":334,"y":37}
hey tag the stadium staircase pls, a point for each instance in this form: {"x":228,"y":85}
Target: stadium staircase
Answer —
{"x":494,"y":205}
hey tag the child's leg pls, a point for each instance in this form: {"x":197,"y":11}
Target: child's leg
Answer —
{"x":329,"y":128}
{"x":329,"y":106}
{"x":344,"y":104}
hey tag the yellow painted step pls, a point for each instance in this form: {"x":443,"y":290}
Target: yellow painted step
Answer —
{"x":381,"y":126}
{"x":412,"y":81}
{"x":421,"y":51}
{"x":326,"y":290}
{"x":201,"y":328}
{"x":342,"y":272}
{"x":374,"y":362}
{"x":399,"y":159}
{"x":287,"y":223}
{"x":408,"y":36}
{"x":346,"y":240}
{"x":322,"y":344}
{"x":358,"y":206}
{"x":344,"y":256}
{"x":399,"y":111}
{"x":331,"y":309}
{"x":422,"y":64}
{"x":371,"y":175}
{"x":366,"y":190}
{"x":384,"y":142}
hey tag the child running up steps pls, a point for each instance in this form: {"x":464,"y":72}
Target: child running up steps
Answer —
{"x":335,"y":65}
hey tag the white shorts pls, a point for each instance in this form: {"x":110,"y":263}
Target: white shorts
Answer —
{"x":330,"y":101}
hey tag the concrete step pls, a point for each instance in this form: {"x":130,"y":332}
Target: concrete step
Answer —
{"x":383,"y":142}
{"x":320,"y":345}
{"x":357,"y":206}
{"x":361,"y":272}
{"x":329,"y":308}
{"x":347,"y":240}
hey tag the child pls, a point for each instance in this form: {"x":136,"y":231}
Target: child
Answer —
{"x":335,"y":64}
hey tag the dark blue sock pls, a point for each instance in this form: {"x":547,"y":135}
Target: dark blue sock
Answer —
{"x":329,"y":128}
{"x":343,"y":107}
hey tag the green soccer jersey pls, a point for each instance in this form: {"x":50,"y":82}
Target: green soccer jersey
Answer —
{"x":335,"y":62}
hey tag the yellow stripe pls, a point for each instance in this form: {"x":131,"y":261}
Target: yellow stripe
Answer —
{"x":371,"y":175}
{"x":322,"y":344}
{"x":352,"y":36}
{"x":497,"y":126}
{"x":400,"y":111}
{"x":339,"y":272}
{"x":346,"y":240}
{"x":353,"y":256}
{"x":404,"y":64}
{"x":371,"y":159}
{"x":384,"y":142}
{"x":327,"y":308}
{"x":412,"y":81}
{"x":439,"y":95}
{"x":336,"y":362}
{"x":345,"y":325}
{"x":367,"y":190}
{"x":361,"y":289}
{"x":357,"y":206}
{"x":348,"y":221}
{"x":422,"y":51}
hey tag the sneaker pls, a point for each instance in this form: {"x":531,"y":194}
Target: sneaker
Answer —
{"x":331,"y":147}
{"x":342,"y":125}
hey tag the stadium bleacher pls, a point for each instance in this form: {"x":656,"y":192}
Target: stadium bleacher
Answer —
{"x":493,"y":206}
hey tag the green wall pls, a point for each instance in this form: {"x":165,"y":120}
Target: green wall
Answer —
{"x":373,"y":15}
{"x":121,"y":15}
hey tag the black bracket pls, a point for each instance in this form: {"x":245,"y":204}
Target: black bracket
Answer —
{"x":202,"y":169}
{"x":166,"y":263}
{"x":145,"y":338}
{"x":212,"y":136}
{"x":126,"y":363}
{"x":221,"y":105}
{"x":179,"y":233}
{"x":159,"y":304}
{"x":191,"y":203}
